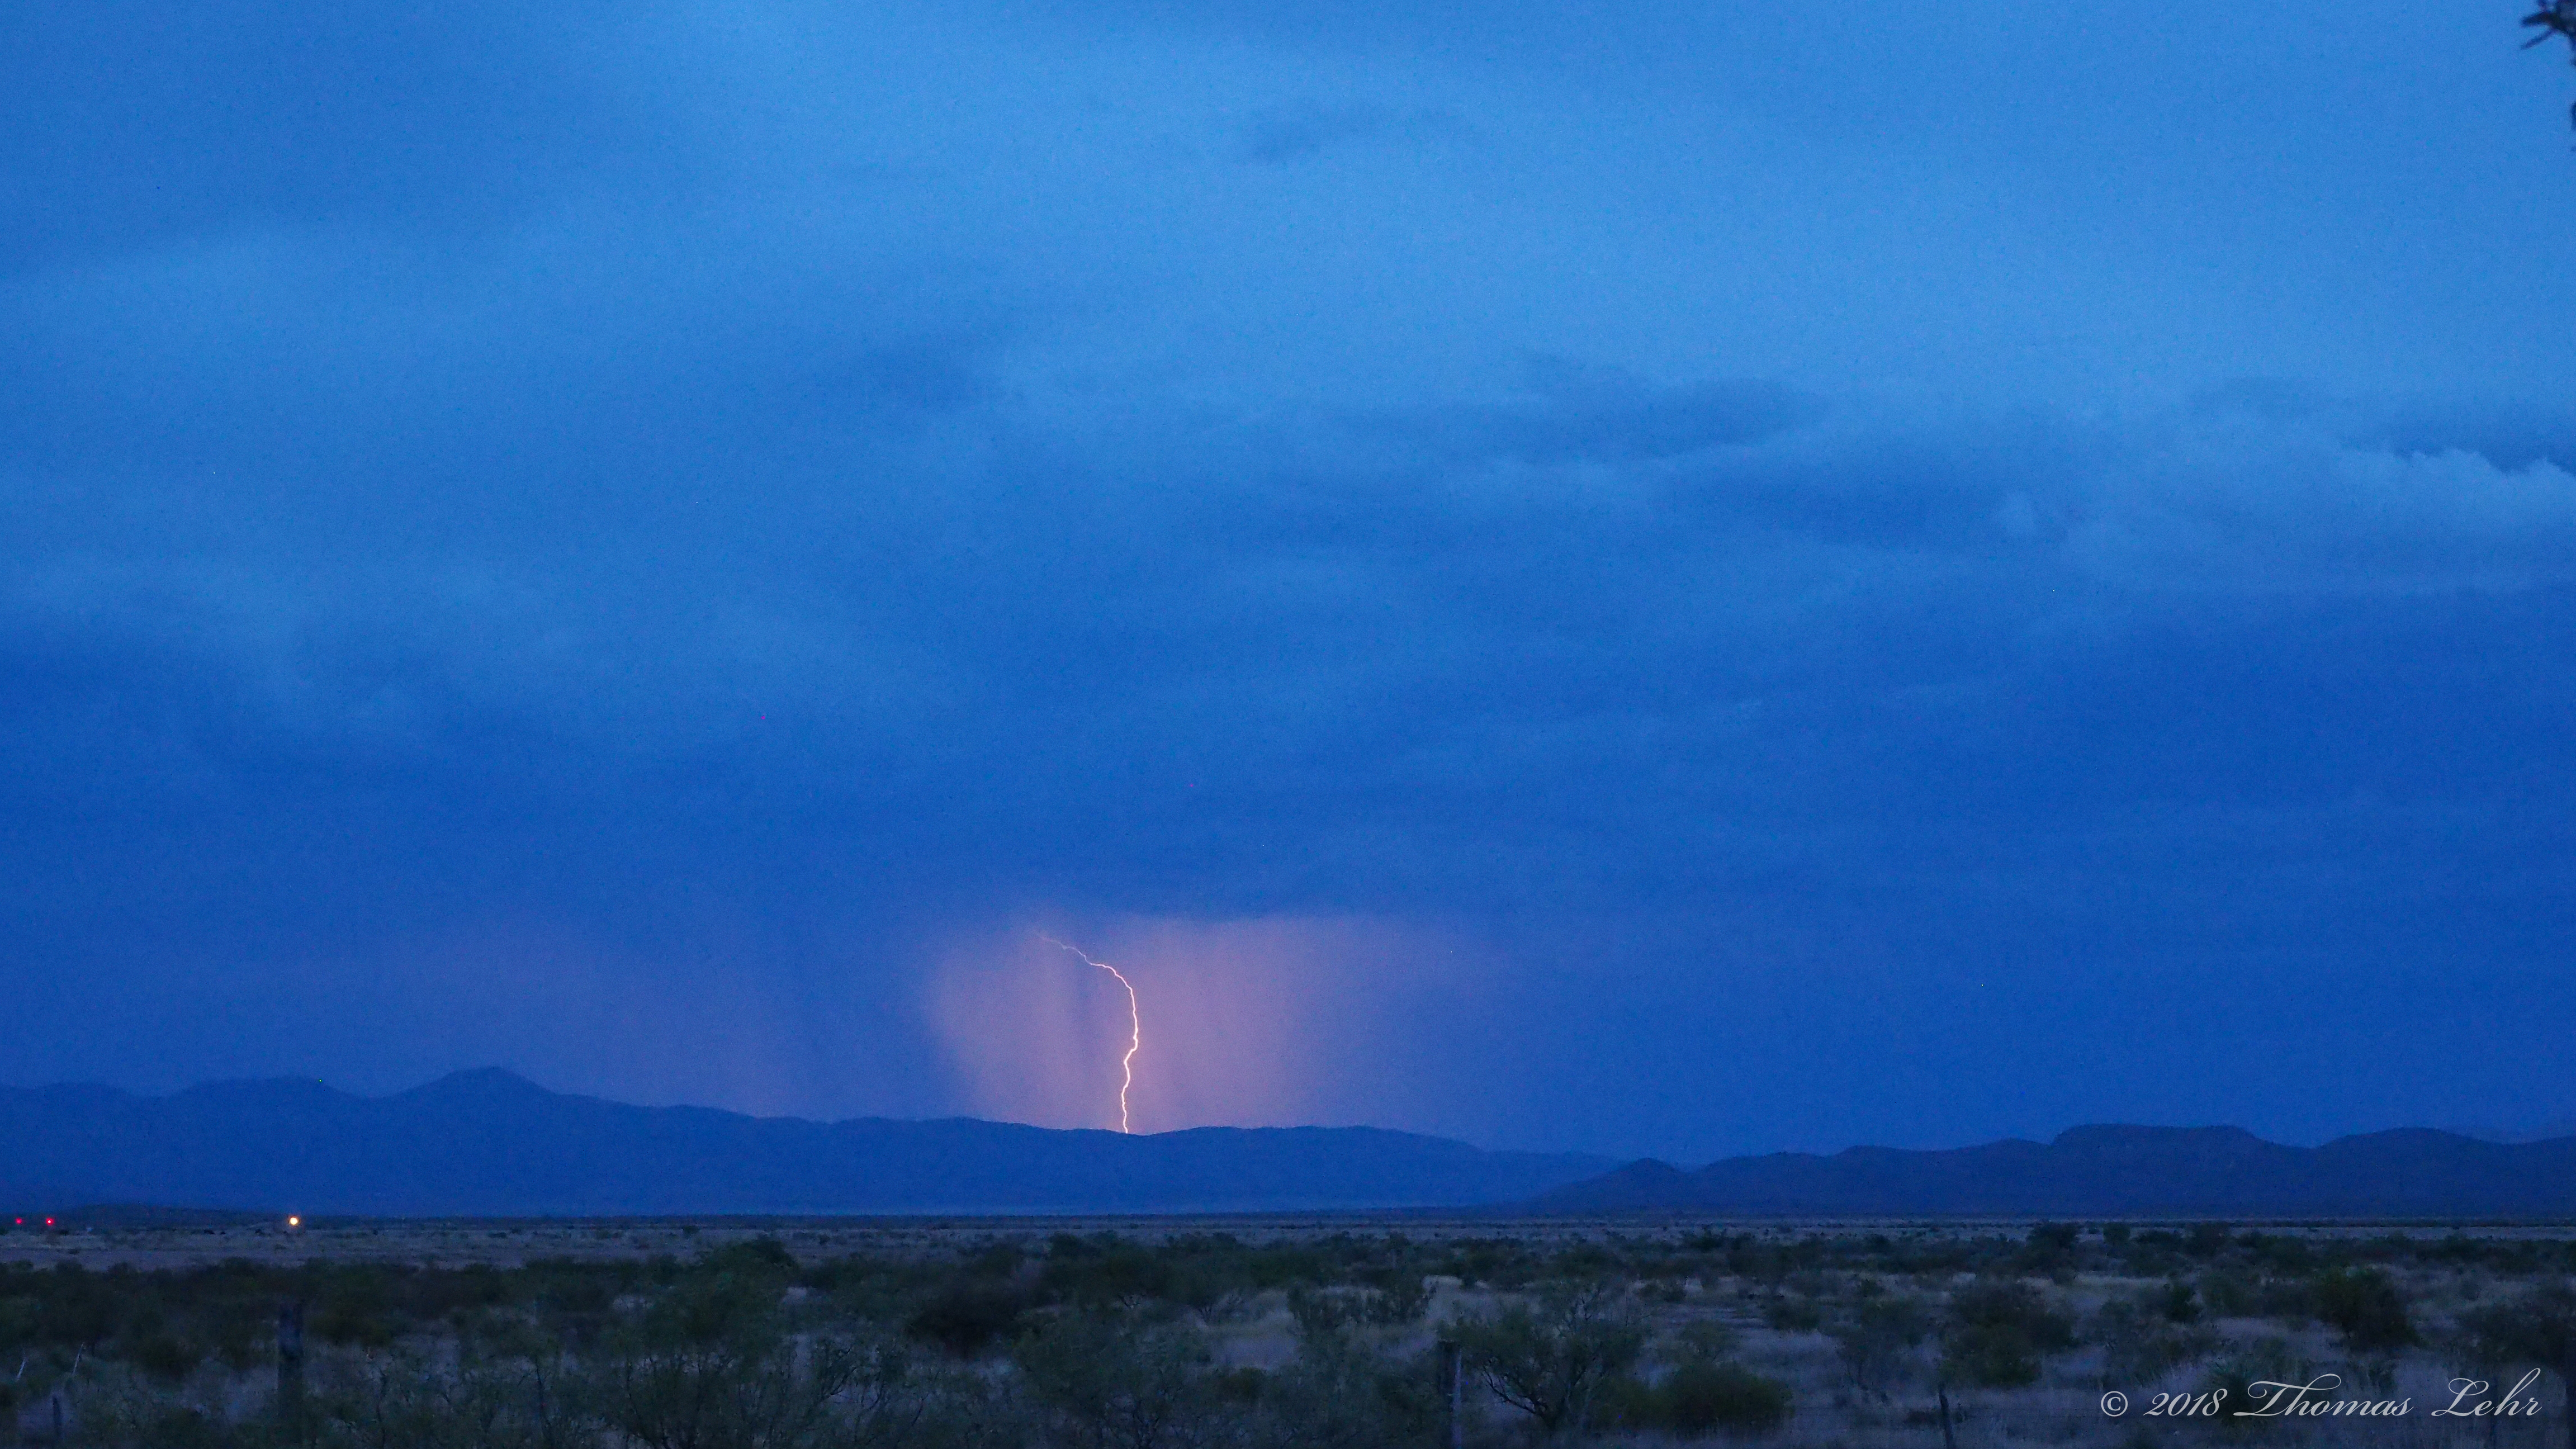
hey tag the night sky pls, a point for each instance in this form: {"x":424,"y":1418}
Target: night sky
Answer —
{"x":1638,"y":577}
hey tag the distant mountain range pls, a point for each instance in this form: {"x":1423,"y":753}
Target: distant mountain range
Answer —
{"x":2113,"y":1172}
{"x":487,"y":1143}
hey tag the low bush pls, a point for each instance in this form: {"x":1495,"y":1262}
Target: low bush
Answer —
{"x":1999,"y":1332}
{"x":1551,"y":1358}
{"x":968,"y":1317}
{"x":1878,"y":1339}
{"x":2142,"y":1341}
{"x":2363,"y":1306}
{"x":2250,"y":1375}
{"x":1696,"y":1398}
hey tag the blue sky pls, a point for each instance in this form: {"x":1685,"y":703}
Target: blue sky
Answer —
{"x":1659,"y":579}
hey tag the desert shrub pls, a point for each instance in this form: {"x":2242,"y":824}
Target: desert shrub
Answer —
{"x":1318,"y":1314}
{"x":958,"y":1409}
{"x":116,"y":1419}
{"x":2177,"y":1302}
{"x":2230,"y":1294}
{"x":71,"y":1308}
{"x":719,"y":1350}
{"x":1792,"y":1315}
{"x":2278,"y":1252}
{"x":1106,"y":1269}
{"x":463,"y":1290}
{"x":709,"y":1309}
{"x":20,"y":1315}
{"x":1701,"y":1390}
{"x":1878,"y":1338}
{"x":1703,"y":1338}
{"x":1110,"y":1379}
{"x":1329,"y":1310}
{"x":575,"y":1307}
{"x":1998,"y":1333}
{"x":1989,"y":1357}
{"x":2050,"y":1249}
{"x":751,"y":1391}
{"x":1500,"y":1262}
{"x":2206,"y":1240}
{"x":163,"y":1356}
{"x":1338,"y":1395}
{"x":2142,"y":1341}
{"x":1813,"y":1285}
{"x":710,"y":1362}
{"x":2291,"y":1300}
{"x":1548,"y":1360}
{"x":2055,"y":1237}
{"x":2017,"y":1306}
{"x":2363,"y":1306}
{"x":761,"y":1254}
{"x":2536,"y":1328}
{"x":966,"y":1317}
{"x":1696,"y":1398}
{"x":410,"y":1398}
{"x":1625,"y":1403}
{"x":358,"y":1312}
{"x":2249,"y":1374}
{"x":1398,"y":1297}
{"x":1245,"y":1385}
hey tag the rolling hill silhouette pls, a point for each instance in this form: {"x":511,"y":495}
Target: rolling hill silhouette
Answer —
{"x":2112,"y":1171}
{"x":487,"y":1143}
{"x":490,"y":1143}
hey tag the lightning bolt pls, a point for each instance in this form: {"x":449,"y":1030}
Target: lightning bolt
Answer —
{"x":1135,"y":1025}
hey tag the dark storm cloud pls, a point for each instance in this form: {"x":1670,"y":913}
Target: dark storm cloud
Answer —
{"x":647,"y":523}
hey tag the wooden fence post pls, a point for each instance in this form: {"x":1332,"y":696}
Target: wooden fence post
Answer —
{"x":290,"y":1368}
{"x":1453,"y":1387}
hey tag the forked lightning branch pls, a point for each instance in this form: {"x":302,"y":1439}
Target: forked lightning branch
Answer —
{"x":1135,"y":1026}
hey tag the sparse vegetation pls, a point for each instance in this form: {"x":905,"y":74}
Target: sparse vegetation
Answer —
{"x":1278,"y":1337}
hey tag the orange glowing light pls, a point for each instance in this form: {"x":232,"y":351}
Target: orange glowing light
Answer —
{"x":293,"y":1221}
{"x":1135,"y":1027}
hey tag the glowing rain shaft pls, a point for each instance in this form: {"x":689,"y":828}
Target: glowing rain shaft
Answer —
{"x":1135,"y":1026}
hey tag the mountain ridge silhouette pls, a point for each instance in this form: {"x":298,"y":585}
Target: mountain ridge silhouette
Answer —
{"x":2111,"y":1170}
{"x":487,"y":1142}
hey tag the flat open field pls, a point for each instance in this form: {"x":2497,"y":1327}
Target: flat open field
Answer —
{"x":514,"y":1242}
{"x":1288,"y":1330}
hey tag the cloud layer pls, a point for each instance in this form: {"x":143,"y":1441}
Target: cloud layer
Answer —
{"x":1825,"y":584}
